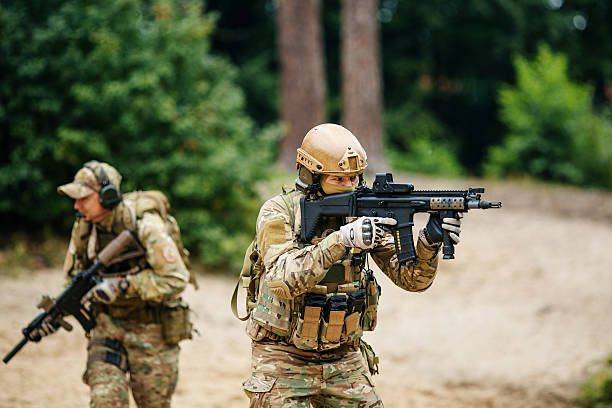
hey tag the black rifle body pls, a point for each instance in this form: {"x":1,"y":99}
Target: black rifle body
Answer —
{"x":69,"y":302}
{"x":393,"y":200}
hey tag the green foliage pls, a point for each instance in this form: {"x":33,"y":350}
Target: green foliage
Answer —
{"x":456,"y":52}
{"x":247,"y":35}
{"x":132,"y":83}
{"x":596,"y":392}
{"x":553,"y":133}
{"x":418,"y":143}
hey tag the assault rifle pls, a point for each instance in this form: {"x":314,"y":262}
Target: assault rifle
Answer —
{"x":70,"y":301}
{"x":394,"y":200}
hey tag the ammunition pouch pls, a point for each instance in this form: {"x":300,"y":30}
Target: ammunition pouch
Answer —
{"x":306,"y":333}
{"x":319,"y":320}
{"x":176,"y":323}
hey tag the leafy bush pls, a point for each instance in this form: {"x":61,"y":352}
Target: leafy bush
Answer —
{"x":553,"y":132}
{"x":596,"y":392}
{"x":417,"y":143}
{"x":132,"y":83}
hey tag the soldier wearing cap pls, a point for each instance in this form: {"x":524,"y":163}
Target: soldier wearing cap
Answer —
{"x":137,"y":298}
{"x":314,"y":300}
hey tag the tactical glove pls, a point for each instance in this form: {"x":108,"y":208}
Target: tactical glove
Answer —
{"x":107,"y":290}
{"x":432,"y":234}
{"x":365,"y":232}
{"x":46,"y":328}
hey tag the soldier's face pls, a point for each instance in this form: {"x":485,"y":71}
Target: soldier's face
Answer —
{"x":343,"y":181}
{"x":91,"y":208}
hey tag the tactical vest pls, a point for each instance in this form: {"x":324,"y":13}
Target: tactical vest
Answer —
{"x":88,"y":241}
{"x":333,"y":313}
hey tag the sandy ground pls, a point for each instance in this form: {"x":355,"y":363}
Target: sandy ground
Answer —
{"x":518,"y":319}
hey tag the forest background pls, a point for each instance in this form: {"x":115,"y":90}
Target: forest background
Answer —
{"x":199,"y":99}
{"x":207,"y":102}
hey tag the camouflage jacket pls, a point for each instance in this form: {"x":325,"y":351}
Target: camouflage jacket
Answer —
{"x":292,"y":268}
{"x":297,"y":268}
{"x":161,"y":276}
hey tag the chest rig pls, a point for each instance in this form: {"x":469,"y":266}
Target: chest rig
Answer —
{"x":89,"y":240}
{"x":335,"y":312}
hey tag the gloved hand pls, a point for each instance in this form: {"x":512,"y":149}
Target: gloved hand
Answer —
{"x":46,"y":328}
{"x":365,"y":232}
{"x":106,"y":291}
{"x":432,"y":234}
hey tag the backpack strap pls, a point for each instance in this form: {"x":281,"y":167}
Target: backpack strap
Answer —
{"x":234,"y":303}
{"x":244,"y":278}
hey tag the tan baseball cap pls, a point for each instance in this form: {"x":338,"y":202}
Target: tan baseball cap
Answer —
{"x":86,"y":181}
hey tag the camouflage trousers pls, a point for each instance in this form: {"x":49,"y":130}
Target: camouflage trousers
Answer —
{"x":281,"y":378}
{"x":152,"y":365}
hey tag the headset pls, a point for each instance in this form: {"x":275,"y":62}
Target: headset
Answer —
{"x":109,"y":194}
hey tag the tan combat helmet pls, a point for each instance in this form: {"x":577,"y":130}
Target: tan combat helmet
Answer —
{"x":328,"y":149}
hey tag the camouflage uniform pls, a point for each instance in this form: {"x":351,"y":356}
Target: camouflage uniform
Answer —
{"x":289,"y":370}
{"x":127,"y":348}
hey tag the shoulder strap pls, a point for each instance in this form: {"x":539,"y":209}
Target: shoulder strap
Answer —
{"x":234,"y":303}
{"x":244,"y":278}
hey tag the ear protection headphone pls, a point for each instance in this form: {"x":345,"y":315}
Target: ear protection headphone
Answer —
{"x":109,"y":194}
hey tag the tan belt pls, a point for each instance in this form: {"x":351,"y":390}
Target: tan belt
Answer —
{"x":148,"y":314}
{"x":314,"y":355}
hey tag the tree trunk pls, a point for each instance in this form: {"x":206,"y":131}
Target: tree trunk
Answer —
{"x":361,"y":78}
{"x":302,"y":101}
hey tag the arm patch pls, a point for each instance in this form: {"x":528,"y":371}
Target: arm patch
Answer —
{"x":271,"y":233}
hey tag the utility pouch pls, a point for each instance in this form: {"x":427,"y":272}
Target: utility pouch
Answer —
{"x":272,"y":312}
{"x":369,"y":356}
{"x":176,"y":323}
{"x":372,"y":293}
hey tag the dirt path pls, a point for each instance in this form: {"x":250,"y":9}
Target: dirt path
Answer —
{"x":517,"y":320}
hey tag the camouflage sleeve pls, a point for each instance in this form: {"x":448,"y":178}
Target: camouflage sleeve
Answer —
{"x":75,"y":259}
{"x":414,"y":277}
{"x":289,"y":269}
{"x":168,"y":275}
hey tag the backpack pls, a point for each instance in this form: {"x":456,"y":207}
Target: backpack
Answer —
{"x":139,"y":202}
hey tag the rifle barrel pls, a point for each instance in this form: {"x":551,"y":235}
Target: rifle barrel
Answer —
{"x":15,"y":350}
